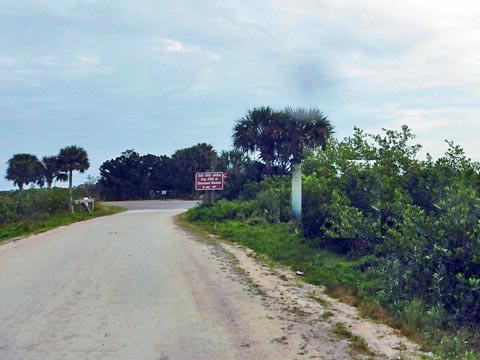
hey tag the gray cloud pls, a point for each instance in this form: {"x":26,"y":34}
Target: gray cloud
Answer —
{"x":158,"y":75}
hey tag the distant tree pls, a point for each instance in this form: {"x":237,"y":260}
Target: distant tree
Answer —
{"x":118,"y":177}
{"x":51,"y":170}
{"x":257,"y":132}
{"x":186,"y":162}
{"x":281,"y":137}
{"x":24,"y":169}
{"x":158,"y":171}
{"x":239,"y":169}
{"x":70,"y":159}
{"x":132,"y":176}
{"x":300,"y":129}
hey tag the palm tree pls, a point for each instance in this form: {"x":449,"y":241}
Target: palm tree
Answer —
{"x":70,"y":159}
{"x":281,"y":138}
{"x":24,"y":169}
{"x":302,"y":129}
{"x":256,"y":132}
{"x":51,"y":170}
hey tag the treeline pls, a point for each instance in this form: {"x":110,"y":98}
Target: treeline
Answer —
{"x":24,"y":169}
{"x":132,"y":176}
{"x":27,"y":210}
{"x":266,"y":142}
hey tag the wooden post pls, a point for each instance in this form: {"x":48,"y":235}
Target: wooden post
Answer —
{"x":207,"y":200}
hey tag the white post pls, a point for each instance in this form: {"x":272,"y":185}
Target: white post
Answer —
{"x":297,"y":191}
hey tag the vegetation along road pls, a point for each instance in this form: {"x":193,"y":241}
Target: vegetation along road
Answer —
{"x":136,"y":286}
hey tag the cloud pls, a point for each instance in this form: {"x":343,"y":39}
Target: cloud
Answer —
{"x":433,"y":126}
{"x":79,"y":65}
{"x":174,"y":46}
{"x":15,"y":72}
{"x":439,"y":41}
{"x":61,"y":8}
{"x":6,"y":61}
{"x":368,"y":63}
{"x":31,"y":70}
{"x":170,"y":46}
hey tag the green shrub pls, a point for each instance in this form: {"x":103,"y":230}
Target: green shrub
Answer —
{"x":273,"y":204}
{"x":222,"y":210}
{"x":271,"y":198}
{"x":35,"y":204}
{"x":411,"y":229}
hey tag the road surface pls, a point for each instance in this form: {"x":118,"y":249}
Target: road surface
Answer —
{"x":135,"y":286}
{"x":128,"y":286}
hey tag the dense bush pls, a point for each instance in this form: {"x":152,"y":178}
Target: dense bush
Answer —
{"x":223,"y":210}
{"x":239,"y":169}
{"x":271,"y":198}
{"x":34,"y":204}
{"x":418,"y":217}
{"x":412,"y":222}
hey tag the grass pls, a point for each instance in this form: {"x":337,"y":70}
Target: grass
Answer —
{"x":320,"y":300}
{"x":326,"y":315}
{"x":296,"y":311}
{"x":357,"y":344}
{"x":281,"y":244}
{"x":352,"y":281}
{"x":25,"y":228}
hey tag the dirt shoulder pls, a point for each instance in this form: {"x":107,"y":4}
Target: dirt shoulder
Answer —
{"x":318,"y":325}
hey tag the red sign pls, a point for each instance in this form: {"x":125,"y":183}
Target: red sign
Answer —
{"x":209,"y":181}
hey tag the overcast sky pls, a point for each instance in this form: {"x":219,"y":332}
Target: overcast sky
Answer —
{"x":156,"y":75}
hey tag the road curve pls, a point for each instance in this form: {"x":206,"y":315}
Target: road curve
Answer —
{"x":128,"y":286}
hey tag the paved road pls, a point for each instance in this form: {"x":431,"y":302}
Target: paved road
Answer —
{"x":129,"y":286}
{"x":154,"y":204}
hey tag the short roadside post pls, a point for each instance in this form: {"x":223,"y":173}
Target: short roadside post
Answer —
{"x":209,"y":182}
{"x":297,"y":191}
{"x":87,"y":204}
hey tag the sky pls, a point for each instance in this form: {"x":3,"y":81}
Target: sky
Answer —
{"x":157,"y":76}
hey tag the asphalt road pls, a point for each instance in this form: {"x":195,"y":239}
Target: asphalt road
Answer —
{"x":128,"y":286}
{"x":154,"y":204}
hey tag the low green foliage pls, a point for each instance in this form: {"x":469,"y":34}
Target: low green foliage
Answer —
{"x":34,"y":204}
{"x":357,"y":344}
{"x":419,"y":219}
{"x":326,"y":315}
{"x":222,"y":210}
{"x":37,"y":210}
{"x":355,"y":280}
{"x":28,"y":227}
{"x":271,"y":198}
{"x":379,"y":226}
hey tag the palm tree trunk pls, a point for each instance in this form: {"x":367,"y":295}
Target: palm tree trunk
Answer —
{"x":268,"y":167}
{"x":20,"y":187}
{"x":70,"y":191}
